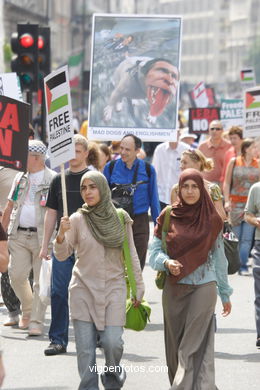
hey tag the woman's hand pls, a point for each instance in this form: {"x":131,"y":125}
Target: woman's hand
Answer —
{"x":227,"y":206}
{"x":64,"y":227}
{"x":174,"y":267}
{"x":226,"y":308}
{"x":136,"y":303}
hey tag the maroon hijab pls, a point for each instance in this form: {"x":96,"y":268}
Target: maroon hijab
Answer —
{"x":193,"y":228}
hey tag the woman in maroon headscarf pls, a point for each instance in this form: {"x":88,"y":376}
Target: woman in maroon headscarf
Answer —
{"x":190,"y":293}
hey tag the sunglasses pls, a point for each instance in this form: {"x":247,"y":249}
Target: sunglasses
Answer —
{"x":216,"y":128}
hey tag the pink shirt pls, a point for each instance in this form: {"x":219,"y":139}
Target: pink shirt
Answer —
{"x":217,"y":153}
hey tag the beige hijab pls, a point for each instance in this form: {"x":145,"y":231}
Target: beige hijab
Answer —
{"x":102,"y":219}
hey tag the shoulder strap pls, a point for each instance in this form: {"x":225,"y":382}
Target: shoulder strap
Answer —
{"x":111,"y":166}
{"x":127,"y":256}
{"x":135,"y":173}
{"x":231,"y":183}
{"x":148,"y":169}
{"x":165,"y":227}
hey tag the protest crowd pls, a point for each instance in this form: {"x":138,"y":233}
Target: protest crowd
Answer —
{"x":200,"y":196}
{"x":83,"y":217}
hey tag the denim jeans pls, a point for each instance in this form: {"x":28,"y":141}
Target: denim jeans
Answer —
{"x":61,"y":275}
{"x":86,"y":343}
{"x":256,"y":275}
{"x":245,"y":234}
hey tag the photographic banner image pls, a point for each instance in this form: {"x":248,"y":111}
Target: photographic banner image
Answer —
{"x":135,"y":72}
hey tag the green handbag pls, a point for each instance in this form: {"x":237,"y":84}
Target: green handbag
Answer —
{"x":136,"y":317}
{"x":161,"y":275}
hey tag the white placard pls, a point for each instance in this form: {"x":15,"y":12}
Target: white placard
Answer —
{"x":252,"y":112}
{"x":59,"y":117}
{"x":10,"y":86}
{"x":134,"y":82}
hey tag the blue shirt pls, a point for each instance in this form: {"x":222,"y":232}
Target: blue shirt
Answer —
{"x":146,"y":194}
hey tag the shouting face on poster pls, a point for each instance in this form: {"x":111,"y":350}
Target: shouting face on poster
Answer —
{"x":137,"y":78}
{"x":161,"y":82}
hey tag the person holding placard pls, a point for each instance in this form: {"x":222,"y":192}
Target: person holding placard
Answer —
{"x":61,"y":272}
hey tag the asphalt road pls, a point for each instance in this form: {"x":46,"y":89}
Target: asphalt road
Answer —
{"x":236,"y":356}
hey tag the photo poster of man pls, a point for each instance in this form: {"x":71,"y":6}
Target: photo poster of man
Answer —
{"x":135,"y":73}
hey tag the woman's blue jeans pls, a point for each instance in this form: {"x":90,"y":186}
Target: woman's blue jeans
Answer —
{"x":113,"y":375}
{"x":245,"y":234}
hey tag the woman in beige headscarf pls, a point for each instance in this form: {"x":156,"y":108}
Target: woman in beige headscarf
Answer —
{"x":97,"y":287}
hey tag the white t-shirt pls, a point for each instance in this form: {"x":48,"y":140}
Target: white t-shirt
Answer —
{"x":166,"y":162}
{"x":27,"y":216}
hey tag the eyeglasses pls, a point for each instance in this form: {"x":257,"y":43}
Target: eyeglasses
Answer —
{"x":216,"y":128}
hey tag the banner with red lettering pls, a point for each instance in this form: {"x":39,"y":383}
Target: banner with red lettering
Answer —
{"x":200,"y":118}
{"x":14,"y":132}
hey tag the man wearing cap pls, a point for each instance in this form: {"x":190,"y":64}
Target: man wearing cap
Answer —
{"x":24,"y":217}
{"x":188,"y":138}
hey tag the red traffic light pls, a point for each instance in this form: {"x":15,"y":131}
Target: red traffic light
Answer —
{"x":26,"y":40}
{"x":40,"y":42}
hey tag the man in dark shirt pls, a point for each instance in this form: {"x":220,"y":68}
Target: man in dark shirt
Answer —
{"x":146,"y":193}
{"x":61,"y":271}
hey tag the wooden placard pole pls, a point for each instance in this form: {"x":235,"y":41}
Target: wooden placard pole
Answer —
{"x":64,"y":192}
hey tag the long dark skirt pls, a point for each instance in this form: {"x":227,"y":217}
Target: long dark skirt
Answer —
{"x":189,"y":335}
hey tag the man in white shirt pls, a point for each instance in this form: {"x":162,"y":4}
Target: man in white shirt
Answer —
{"x":24,"y":217}
{"x":166,"y":161}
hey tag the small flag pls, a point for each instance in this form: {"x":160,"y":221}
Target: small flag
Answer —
{"x":75,"y":69}
{"x":253,"y":99}
{"x":247,"y":75}
{"x":55,"y":102}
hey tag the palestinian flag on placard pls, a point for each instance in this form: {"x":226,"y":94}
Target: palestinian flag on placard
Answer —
{"x":75,"y":68}
{"x":198,"y":90}
{"x":247,"y":75}
{"x":253,"y":99}
{"x":55,"y":101}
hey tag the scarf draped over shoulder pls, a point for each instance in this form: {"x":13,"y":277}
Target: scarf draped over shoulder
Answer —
{"x":102,"y":219}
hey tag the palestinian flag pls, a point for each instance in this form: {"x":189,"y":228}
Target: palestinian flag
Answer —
{"x":198,"y":90}
{"x":55,"y":101}
{"x":75,"y":69}
{"x":247,"y":75}
{"x":253,"y":99}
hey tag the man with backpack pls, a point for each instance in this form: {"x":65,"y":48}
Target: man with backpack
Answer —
{"x":134,"y":187}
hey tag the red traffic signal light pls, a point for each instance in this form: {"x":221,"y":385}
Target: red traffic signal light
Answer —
{"x":26,"y":40}
{"x":44,"y":54}
{"x":40,"y":42}
{"x":24,"y":44}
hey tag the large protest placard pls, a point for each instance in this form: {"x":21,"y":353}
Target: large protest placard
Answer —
{"x":200,"y":118}
{"x":59,"y":117}
{"x":231,"y":113}
{"x":247,"y":78}
{"x":252,"y":112}
{"x":14,"y":132}
{"x":10,"y":86}
{"x":134,"y":83}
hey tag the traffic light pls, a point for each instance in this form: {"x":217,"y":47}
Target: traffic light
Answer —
{"x":24,"y":44}
{"x":44,"y":54}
